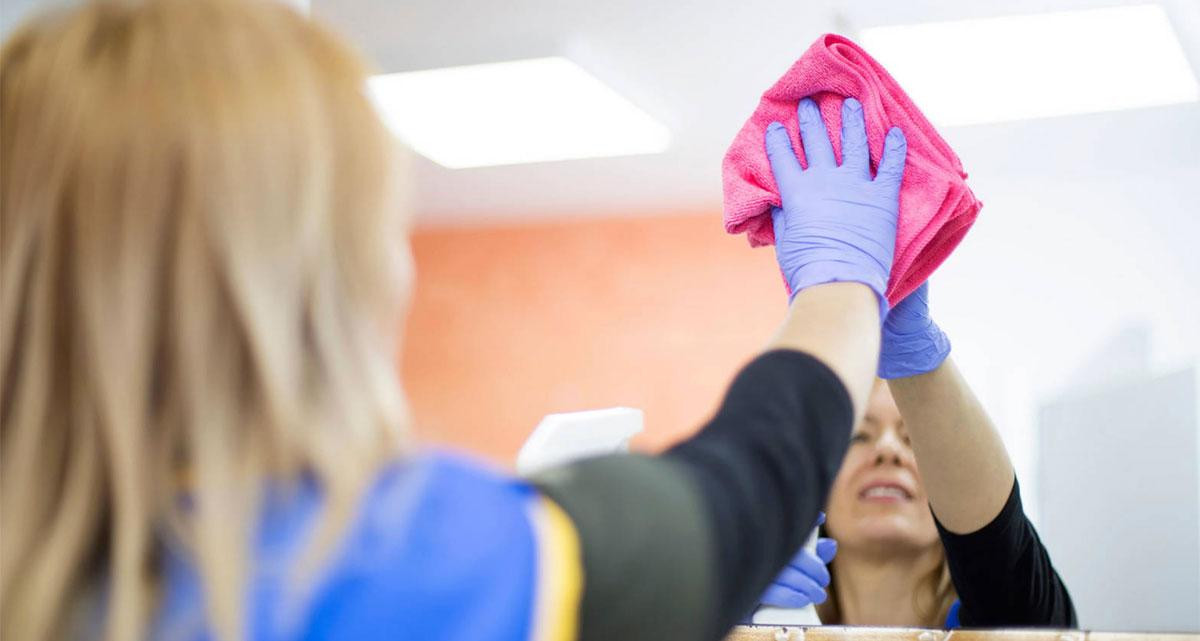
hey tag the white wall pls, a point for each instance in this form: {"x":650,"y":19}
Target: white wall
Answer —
{"x":1120,"y":493}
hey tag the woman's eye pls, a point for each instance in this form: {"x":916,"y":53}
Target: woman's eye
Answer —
{"x":859,"y":437}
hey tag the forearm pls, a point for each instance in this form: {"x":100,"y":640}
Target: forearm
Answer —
{"x":764,"y":465}
{"x":964,"y":465}
{"x":837,"y":323}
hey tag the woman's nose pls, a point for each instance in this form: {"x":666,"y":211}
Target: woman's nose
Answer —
{"x":889,"y":449}
{"x":883,"y":457}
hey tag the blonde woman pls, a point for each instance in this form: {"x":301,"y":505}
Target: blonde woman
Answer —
{"x":204,"y":275}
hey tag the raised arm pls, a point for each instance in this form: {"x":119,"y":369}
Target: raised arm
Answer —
{"x":963,"y":462}
{"x":1000,"y":568}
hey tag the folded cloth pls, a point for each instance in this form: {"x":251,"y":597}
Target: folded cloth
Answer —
{"x":936,"y":206}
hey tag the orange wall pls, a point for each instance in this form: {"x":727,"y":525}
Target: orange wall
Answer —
{"x":511,"y":323}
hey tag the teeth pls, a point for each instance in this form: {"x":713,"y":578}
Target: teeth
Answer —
{"x":885,"y":492}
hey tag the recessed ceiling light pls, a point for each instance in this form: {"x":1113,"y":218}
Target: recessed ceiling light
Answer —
{"x":1034,"y":66}
{"x":503,"y":113}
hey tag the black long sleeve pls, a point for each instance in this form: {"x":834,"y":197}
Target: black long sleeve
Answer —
{"x":682,"y":545}
{"x":1003,"y":573}
{"x":765,"y":465}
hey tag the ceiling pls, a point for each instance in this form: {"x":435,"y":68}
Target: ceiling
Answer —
{"x":700,"y":67}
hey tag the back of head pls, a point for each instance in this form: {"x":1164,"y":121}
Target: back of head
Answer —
{"x":203,"y":273}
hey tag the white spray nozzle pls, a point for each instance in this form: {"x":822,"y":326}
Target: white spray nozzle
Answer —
{"x":562,"y":438}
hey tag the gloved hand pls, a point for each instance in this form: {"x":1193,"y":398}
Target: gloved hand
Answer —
{"x":912,"y":343}
{"x":835,"y":224}
{"x":805,"y":578}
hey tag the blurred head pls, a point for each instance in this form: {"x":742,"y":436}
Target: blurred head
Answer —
{"x":203,"y":273}
{"x":878,"y":504}
{"x":878,"y":508}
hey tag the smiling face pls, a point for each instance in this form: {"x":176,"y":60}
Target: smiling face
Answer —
{"x":878,"y":504}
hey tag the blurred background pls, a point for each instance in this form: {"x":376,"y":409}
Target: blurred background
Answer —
{"x":561,"y":281}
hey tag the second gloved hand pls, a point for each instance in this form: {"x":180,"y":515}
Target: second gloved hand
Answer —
{"x":805,"y":578}
{"x":835,"y":223}
{"x":912,"y":343}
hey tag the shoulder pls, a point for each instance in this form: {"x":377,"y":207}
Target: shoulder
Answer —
{"x":445,"y":494}
{"x":441,"y":547}
{"x":444,"y":547}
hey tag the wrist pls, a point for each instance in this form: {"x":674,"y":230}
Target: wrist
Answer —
{"x":913,"y":353}
{"x":825,"y":272}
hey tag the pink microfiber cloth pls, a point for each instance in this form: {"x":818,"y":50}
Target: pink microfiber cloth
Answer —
{"x":936,"y":206}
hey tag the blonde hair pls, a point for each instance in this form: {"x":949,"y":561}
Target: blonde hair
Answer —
{"x":203,"y":274}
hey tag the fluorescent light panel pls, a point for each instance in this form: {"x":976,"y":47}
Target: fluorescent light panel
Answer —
{"x":1034,"y":66}
{"x":536,"y":110}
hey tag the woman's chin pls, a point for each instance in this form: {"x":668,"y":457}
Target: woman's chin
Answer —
{"x":894,"y":530}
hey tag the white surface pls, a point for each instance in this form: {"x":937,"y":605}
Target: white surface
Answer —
{"x":532,"y":110}
{"x":1120,"y":495}
{"x":1068,"y":62}
{"x":562,"y":438}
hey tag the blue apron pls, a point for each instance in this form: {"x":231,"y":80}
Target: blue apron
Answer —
{"x":441,"y":549}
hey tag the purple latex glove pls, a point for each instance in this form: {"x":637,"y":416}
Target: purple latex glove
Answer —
{"x":912,"y":343}
{"x":835,"y":224}
{"x":805,"y":578}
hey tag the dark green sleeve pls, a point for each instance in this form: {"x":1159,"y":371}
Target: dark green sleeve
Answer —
{"x":645,"y":545}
